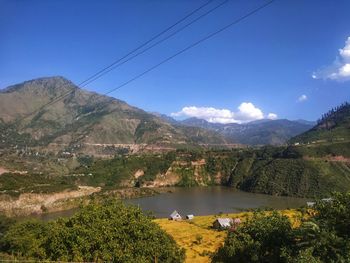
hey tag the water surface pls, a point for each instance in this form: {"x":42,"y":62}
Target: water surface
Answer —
{"x":200,"y":201}
{"x":211,"y":200}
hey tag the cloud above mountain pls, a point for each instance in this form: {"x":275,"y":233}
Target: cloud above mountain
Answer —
{"x":272,"y":116}
{"x":339,"y":69}
{"x":246,"y":112}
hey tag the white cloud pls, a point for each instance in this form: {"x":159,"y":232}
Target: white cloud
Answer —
{"x":340,"y":69}
{"x":246,"y":112}
{"x":302,"y":98}
{"x":207,"y":113}
{"x":272,"y":116}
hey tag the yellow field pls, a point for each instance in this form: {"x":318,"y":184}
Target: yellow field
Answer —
{"x":199,"y":239}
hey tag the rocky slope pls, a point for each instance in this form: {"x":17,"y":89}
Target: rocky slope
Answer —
{"x":82,"y":119}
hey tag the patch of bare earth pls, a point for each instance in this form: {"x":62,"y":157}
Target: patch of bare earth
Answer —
{"x":170,"y":178}
{"x":3,"y":170}
{"x":30,"y":203}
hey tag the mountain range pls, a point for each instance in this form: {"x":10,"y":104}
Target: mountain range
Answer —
{"x":261,"y":132}
{"x":83,"y":119}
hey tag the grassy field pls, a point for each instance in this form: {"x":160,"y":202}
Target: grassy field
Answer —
{"x":198,"y":237}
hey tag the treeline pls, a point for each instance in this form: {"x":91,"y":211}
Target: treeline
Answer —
{"x":335,"y":113}
{"x":100,"y":232}
{"x":322,"y":236}
{"x":291,"y":171}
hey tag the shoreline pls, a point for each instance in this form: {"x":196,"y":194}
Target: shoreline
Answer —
{"x":37,"y":205}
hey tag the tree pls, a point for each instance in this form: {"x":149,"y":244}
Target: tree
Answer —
{"x":270,"y":237}
{"x":109,"y":231}
{"x":262,"y":239}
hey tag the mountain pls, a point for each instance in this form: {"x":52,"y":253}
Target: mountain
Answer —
{"x":165,"y":118}
{"x":312,"y":123}
{"x":332,"y":126}
{"x":83,"y":119}
{"x":261,"y":132}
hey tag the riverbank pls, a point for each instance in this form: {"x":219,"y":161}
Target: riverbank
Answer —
{"x":198,"y":237}
{"x":37,"y":204}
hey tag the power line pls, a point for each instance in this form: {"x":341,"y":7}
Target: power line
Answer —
{"x":193,"y":45}
{"x":254,"y":11}
{"x":236,"y":21}
{"x":155,"y":44}
{"x":115,"y":62}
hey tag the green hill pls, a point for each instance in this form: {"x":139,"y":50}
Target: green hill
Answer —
{"x":331,"y":127}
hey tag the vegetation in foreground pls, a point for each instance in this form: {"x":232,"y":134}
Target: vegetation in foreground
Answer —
{"x":108,"y":231}
{"x":198,"y":237}
{"x":325,"y":237}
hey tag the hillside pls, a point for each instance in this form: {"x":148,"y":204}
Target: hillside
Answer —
{"x":263,"y":132}
{"x":291,"y":171}
{"x":332,"y":126}
{"x":83,"y":120}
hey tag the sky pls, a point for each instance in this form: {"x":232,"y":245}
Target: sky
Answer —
{"x":290,"y":60}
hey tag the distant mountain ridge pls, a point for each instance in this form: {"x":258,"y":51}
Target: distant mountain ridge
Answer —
{"x":86,"y":118}
{"x":261,"y":132}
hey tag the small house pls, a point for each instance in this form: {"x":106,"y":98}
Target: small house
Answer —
{"x":222,"y":223}
{"x":189,"y":217}
{"x":175,"y":216}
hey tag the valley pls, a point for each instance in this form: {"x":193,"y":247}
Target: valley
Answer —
{"x":175,"y":131}
{"x":89,"y":141}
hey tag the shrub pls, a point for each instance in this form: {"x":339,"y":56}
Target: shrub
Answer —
{"x":109,"y":231}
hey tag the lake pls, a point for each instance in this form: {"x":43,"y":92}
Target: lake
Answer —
{"x":201,"y":201}
{"x":211,"y":200}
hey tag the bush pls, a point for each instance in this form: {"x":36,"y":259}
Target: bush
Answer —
{"x":109,"y":232}
{"x":261,"y":239}
{"x":270,"y":238}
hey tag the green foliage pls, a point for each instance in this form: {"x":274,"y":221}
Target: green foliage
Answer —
{"x":5,"y":223}
{"x":15,"y":184}
{"x":271,"y":238}
{"x":335,"y":214}
{"x":332,"y":127}
{"x":187,"y":176}
{"x":261,"y":239}
{"x":324,"y":150}
{"x":109,"y":232}
{"x":269,"y":170}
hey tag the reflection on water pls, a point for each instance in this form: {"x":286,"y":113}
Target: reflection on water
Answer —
{"x":201,"y":201}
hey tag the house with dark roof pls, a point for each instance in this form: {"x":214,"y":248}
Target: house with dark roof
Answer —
{"x":223,"y":223}
{"x":189,"y":217}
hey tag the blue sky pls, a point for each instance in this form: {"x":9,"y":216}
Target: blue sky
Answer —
{"x":262,"y":65}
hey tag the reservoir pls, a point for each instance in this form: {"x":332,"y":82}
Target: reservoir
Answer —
{"x":211,"y":200}
{"x":200,"y":201}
